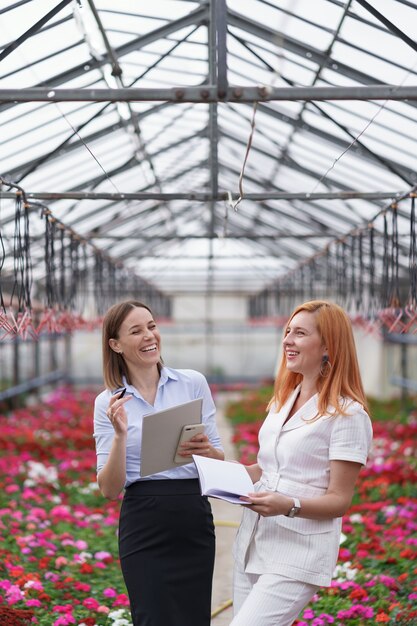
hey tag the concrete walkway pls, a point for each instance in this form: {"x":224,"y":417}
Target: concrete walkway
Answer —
{"x":227,"y":517}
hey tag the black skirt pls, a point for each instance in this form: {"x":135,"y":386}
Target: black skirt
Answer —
{"x":166,"y":548}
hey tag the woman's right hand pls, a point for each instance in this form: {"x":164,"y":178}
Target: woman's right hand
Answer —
{"x":117,"y":414}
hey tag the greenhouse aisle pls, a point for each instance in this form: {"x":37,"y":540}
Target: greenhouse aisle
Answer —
{"x":227,"y":517}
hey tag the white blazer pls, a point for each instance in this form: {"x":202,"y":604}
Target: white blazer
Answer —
{"x":295,"y":461}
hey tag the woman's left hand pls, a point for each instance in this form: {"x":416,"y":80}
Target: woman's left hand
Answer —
{"x":268,"y":503}
{"x":199,"y":444}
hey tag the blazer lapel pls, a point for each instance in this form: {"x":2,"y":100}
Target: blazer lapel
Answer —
{"x":301,"y":417}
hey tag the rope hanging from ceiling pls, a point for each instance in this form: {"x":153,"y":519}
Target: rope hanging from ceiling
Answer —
{"x":71,"y":281}
{"x":366,"y":271}
{"x":412,"y":296}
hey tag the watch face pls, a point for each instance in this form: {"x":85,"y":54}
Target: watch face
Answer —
{"x":294,"y":511}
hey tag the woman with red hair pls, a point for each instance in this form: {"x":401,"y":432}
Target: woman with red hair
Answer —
{"x":312,"y":445}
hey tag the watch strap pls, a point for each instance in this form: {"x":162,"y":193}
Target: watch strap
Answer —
{"x":295,"y":509}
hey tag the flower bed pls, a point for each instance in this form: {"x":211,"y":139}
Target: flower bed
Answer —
{"x":376,"y":576}
{"x":58,"y":546}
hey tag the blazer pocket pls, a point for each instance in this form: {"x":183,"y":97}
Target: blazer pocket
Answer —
{"x":305,"y":526}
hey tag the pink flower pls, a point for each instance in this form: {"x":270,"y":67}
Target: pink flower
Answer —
{"x":62,"y":608}
{"x":14,"y":594}
{"x":121,"y":600}
{"x":5,"y":584}
{"x":79,"y":586}
{"x":64,"y":620}
{"x":11,"y":488}
{"x":100,"y":556}
{"x":109,"y":593}
{"x":91,"y":603}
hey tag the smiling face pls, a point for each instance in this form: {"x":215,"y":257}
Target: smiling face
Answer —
{"x":139,"y":340}
{"x":303,"y":345}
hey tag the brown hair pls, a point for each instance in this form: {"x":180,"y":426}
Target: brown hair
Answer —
{"x":343,"y":380}
{"x":114,"y":366}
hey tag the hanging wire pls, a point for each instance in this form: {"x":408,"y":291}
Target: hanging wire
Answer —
{"x":62,"y":268}
{"x":359,"y":286}
{"x":50,"y":283}
{"x":234,"y":203}
{"x":371,"y":272}
{"x":21,"y":256}
{"x":328,"y":271}
{"x":311,"y":279}
{"x":413,"y":253}
{"x":74,"y":252}
{"x":83,"y":278}
{"x":394,"y":293}
{"x":351,"y":296}
{"x":385,"y":264}
{"x":367,"y":125}
{"x":2,"y":256}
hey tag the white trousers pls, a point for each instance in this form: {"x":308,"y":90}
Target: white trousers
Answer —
{"x":268,"y":599}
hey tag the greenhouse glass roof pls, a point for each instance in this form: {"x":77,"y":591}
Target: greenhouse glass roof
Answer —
{"x":208,"y":146}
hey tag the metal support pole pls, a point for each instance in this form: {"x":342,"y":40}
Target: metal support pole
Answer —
{"x":16,"y":370}
{"x":68,"y":357}
{"x":209,"y":93}
{"x":205,"y":197}
{"x":53,"y":360}
{"x":404,"y":374}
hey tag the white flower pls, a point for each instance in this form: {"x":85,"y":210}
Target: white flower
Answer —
{"x":344,"y":571}
{"x":356,"y":518}
{"x":39,"y":472}
{"x":118,"y":618}
{"x":390,"y":510}
{"x":82,"y":557}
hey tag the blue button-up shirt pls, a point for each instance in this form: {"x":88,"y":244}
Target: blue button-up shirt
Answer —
{"x":175,"y":387}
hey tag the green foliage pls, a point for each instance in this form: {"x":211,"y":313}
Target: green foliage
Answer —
{"x":251,"y":407}
{"x":394,"y":408}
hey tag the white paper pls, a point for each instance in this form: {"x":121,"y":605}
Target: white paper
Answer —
{"x":223,"y":479}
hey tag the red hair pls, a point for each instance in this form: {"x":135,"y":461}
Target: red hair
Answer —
{"x":343,"y":379}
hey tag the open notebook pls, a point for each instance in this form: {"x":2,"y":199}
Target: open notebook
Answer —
{"x":223,"y":479}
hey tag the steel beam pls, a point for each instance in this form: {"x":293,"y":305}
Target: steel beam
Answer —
{"x":206,"y":196}
{"x":209,"y":93}
{"x":299,"y":48}
{"x":230,"y":236}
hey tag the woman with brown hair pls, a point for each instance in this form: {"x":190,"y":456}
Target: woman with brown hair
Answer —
{"x":166,"y":533}
{"x":312,"y":445}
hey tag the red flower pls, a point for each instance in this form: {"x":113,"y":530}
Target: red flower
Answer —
{"x":86,"y":568}
{"x":382,"y":618}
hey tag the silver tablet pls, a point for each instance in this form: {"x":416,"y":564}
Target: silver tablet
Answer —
{"x":160,"y":434}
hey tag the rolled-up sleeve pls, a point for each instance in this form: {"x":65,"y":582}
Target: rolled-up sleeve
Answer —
{"x":351,"y":437}
{"x":103,"y":430}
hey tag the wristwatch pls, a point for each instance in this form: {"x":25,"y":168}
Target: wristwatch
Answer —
{"x":295,"y":509}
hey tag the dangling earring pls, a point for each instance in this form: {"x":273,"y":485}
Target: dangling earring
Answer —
{"x":325,"y":366}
